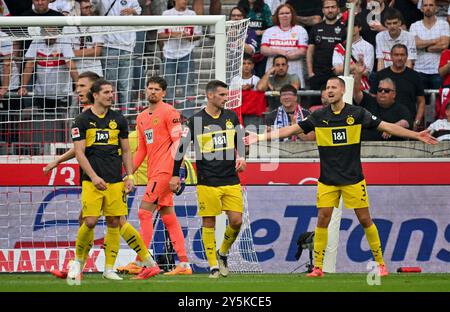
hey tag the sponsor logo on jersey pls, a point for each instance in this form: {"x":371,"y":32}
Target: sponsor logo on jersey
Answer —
{"x":284,"y":43}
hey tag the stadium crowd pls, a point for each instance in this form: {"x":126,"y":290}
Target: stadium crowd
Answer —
{"x":399,"y":49}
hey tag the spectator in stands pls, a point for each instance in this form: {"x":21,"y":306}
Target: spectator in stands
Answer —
{"x":276,"y":77}
{"x":41,"y":8}
{"x":289,"y":113}
{"x":409,"y":87}
{"x":65,"y":7}
{"x":394,"y":34}
{"x":444,"y":89}
{"x":308,"y":12}
{"x":322,"y":40}
{"x":260,"y":19}
{"x":253,"y":104}
{"x":361,"y":49}
{"x":432,"y":37}
{"x":54,"y":70}
{"x":87,"y":49}
{"x":384,"y":106}
{"x":10,"y":81}
{"x":440,"y":129}
{"x":215,"y":7}
{"x":179,"y":43}
{"x":323,"y":100}
{"x":409,"y":9}
{"x":251,"y":42}
{"x":287,"y":39}
{"x":118,"y":49}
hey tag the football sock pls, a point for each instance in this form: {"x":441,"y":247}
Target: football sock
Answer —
{"x":176,"y":235}
{"x":320,"y":244}
{"x":209,"y":242}
{"x":82,"y":245}
{"x":374,"y":242}
{"x":146,"y":226}
{"x":90,"y":244}
{"x":228,"y":239}
{"x":112,"y":244}
{"x":134,"y":240}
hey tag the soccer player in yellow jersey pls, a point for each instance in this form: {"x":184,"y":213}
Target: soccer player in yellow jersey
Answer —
{"x":338,"y":135}
{"x":220,"y":152}
{"x":100,"y":138}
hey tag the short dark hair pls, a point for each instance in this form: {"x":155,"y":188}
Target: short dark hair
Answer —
{"x":214,"y":84}
{"x":240,"y":9}
{"x":89,"y":75}
{"x":279,"y":56}
{"x":341,"y":81}
{"x":391,"y":14}
{"x":358,"y":21}
{"x":158,"y":80}
{"x":96,"y":88}
{"x":287,"y":88}
{"x":399,"y":46}
{"x":248,"y":57}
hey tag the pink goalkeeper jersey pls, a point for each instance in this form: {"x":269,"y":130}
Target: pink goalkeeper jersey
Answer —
{"x":158,"y":138}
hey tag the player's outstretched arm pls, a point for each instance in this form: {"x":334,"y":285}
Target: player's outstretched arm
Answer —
{"x":64,"y":157}
{"x":396,"y":130}
{"x":280,"y":133}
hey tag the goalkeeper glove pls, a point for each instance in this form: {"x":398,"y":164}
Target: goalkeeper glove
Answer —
{"x":182,"y":181}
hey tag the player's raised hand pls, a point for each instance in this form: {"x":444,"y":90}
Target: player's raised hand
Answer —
{"x":99,"y":183}
{"x":426,"y":137}
{"x":174,"y":184}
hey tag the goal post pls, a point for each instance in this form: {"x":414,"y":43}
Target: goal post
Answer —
{"x":38,"y":220}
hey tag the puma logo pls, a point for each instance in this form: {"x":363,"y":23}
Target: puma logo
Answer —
{"x":325,"y":122}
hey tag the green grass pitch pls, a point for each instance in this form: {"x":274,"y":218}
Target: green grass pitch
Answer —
{"x":415,"y":282}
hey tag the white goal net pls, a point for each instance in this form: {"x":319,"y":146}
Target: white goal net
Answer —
{"x":39,"y":62}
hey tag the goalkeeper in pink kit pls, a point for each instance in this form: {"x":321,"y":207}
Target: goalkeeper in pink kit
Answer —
{"x":159,"y":130}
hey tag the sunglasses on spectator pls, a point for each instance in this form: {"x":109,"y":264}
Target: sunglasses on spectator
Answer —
{"x":384,"y":90}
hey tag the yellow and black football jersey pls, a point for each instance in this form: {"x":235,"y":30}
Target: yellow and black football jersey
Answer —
{"x":102,"y":135}
{"x":338,"y":137}
{"x":215,"y":141}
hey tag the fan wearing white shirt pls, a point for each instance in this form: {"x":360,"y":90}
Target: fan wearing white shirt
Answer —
{"x":432,"y":37}
{"x":179,"y":42}
{"x":118,"y":48}
{"x":440,"y":129}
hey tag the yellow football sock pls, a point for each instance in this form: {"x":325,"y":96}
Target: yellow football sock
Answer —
{"x":134,"y":240}
{"x":228,"y":239}
{"x":82,"y":245}
{"x":320,"y":244}
{"x":374,"y":242}
{"x":209,"y":242}
{"x":111,"y":244}
{"x":90,"y":244}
